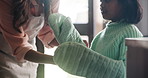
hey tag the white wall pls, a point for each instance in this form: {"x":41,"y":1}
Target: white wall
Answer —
{"x":98,"y":19}
{"x":143,"y":25}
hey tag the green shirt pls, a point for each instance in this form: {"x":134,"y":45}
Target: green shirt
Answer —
{"x":110,"y":42}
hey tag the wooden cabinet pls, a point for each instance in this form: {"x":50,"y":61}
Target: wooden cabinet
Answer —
{"x":137,"y":57}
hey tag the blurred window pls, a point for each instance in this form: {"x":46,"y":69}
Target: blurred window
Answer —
{"x":77,"y":10}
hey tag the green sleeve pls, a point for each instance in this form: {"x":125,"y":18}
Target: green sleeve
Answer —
{"x":79,"y":60}
{"x":63,"y":29}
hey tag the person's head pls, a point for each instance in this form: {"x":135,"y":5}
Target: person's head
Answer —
{"x":128,"y":11}
{"x":23,"y":8}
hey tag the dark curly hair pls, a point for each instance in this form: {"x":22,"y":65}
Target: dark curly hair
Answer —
{"x":21,"y":11}
{"x":132,"y":11}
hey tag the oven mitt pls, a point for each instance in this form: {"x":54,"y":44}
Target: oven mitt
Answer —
{"x":79,"y":60}
{"x":63,"y":29}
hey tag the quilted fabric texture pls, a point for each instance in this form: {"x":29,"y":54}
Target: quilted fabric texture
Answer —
{"x":79,"y":60}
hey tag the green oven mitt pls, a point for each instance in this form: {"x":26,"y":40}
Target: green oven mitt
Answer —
{"x":63,"y":29}
{"x":79,"y":60}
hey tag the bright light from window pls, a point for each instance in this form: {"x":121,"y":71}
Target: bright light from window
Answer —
{"x":77,"y":10}
{"x":53,"y":71}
